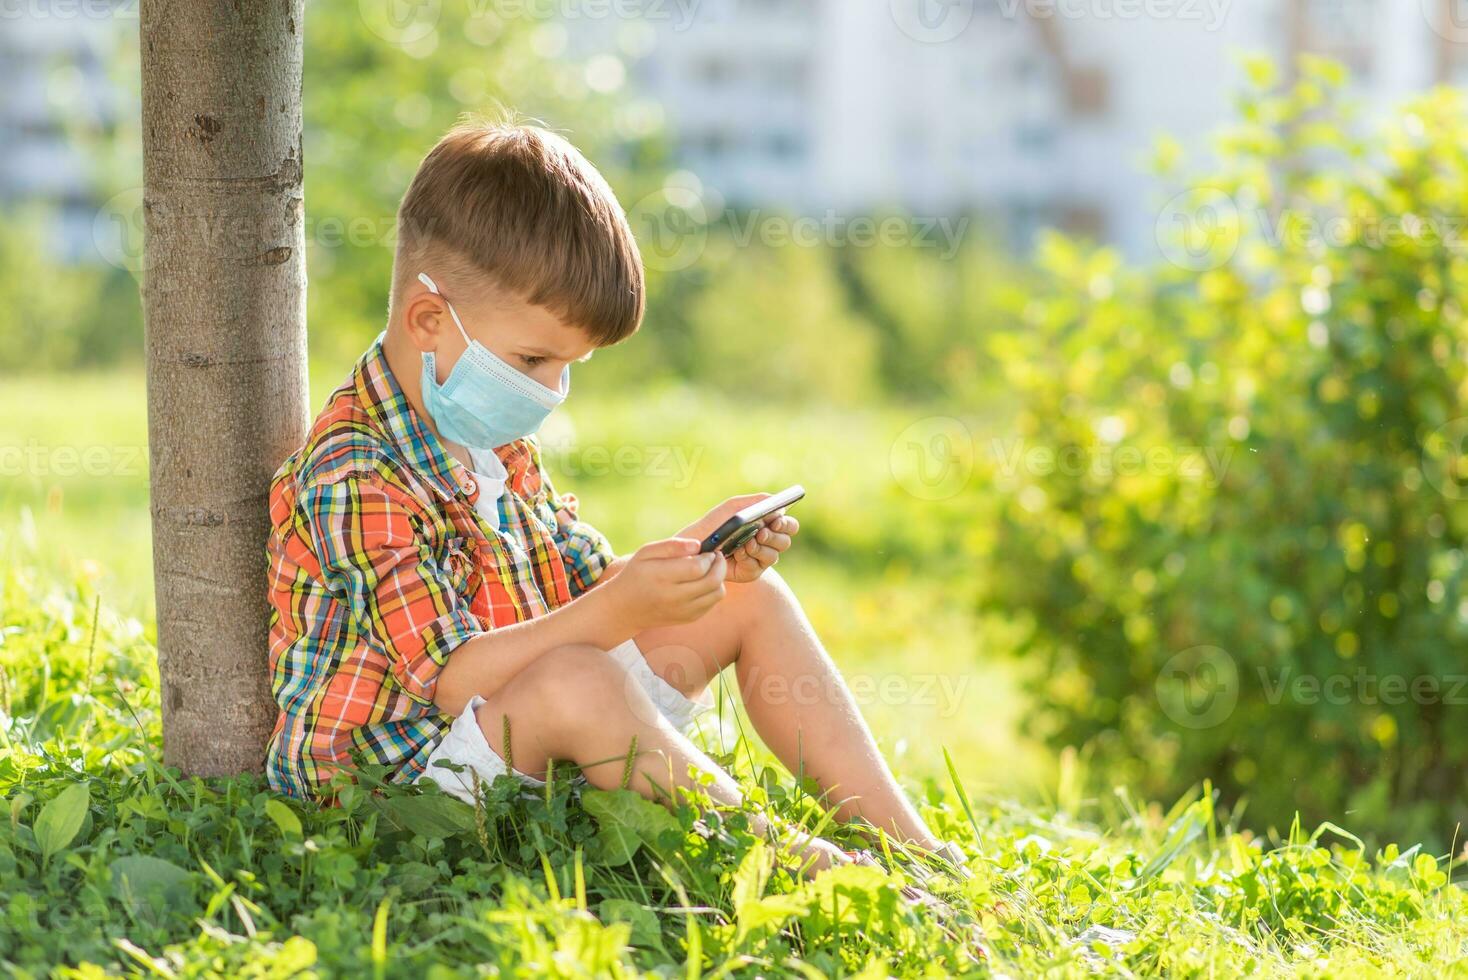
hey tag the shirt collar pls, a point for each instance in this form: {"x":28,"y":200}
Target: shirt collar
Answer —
{"x":386,"y":404}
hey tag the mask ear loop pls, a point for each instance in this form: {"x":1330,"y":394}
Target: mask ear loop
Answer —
{"x":423,"y":278}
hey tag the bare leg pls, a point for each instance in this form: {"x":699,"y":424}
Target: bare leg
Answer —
{"x":575,"y":703}
{"x":794,"y":694}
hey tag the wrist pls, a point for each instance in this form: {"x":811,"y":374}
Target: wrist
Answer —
{"x":615,"y":618}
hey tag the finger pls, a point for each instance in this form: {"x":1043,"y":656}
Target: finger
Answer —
{"x":764,"y":557}
{"x":786,"y":525}
{"x":680,"y":571}
{"x":702,"y":604}
{"x":780,"y":542}
{"x":712,"y":577}
{"x":669,"y":548}
{"x":772,"y":535}
{"x":718,"y":571}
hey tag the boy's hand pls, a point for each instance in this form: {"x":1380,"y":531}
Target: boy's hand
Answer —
{"x":760,"y":551}
{"x":666,"y":583}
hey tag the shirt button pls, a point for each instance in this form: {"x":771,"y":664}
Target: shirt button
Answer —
{"x":469,"y":487}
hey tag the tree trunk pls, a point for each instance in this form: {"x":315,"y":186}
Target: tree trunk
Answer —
{"x":224,"y":290}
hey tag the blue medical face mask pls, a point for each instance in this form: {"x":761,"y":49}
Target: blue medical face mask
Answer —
{"x":485,"y":402}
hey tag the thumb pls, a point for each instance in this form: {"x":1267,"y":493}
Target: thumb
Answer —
{"x":669,"y":548}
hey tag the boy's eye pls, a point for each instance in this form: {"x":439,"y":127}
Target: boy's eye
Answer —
{"x":532,"y":360}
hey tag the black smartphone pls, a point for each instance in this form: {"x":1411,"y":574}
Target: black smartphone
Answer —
{"x":746,"y":524}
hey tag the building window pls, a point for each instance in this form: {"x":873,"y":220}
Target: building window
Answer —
{"x":1089,"y":91}
{"x":714,"y":72}
{"x":785,"y":146}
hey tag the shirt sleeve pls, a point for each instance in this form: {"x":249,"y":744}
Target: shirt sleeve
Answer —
{"x":371,"y":554}
{"x":585,"y":551}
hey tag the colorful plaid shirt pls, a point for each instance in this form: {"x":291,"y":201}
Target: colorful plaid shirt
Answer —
{"x":380,"y":566}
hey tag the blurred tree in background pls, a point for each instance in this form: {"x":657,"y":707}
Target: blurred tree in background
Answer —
{"x":1247,"y":560}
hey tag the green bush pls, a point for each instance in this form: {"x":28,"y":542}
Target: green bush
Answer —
{"x":60,"y":314}
{"x":1245,"y":558}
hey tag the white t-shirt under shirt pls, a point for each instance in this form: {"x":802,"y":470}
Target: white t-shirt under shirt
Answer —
{"x":490,"y":474}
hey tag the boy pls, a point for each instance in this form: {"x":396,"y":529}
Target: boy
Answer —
{"x":431,"y":590}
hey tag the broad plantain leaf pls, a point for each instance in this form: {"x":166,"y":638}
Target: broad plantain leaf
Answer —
{"x":148,"y":885}
{"x":429,"y":814}
{"x":627,"y":821}
{"x":644,"y":922}
{"x":61,"y":818}
{"x":285,"y":818}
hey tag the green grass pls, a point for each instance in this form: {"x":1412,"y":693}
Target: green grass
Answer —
{"x":110,"y":862}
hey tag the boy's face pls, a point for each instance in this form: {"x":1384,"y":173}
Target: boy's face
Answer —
{"x":529,"y":338}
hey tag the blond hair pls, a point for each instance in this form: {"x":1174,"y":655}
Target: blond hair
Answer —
{"x":520,"y":205}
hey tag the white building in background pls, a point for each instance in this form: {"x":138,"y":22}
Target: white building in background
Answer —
{"x":1037,"y":112}
{"x":54,"y":62}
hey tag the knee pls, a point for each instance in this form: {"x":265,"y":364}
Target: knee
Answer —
{"x":572,"y":686}
{"x":771,"y":587}
{"x":765,"y":595}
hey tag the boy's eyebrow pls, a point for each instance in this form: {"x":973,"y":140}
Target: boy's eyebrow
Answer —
{"x":542,"y":352}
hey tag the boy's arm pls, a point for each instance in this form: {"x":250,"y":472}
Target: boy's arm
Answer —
{"x":364,"y":534}
{"x":665,"y":582}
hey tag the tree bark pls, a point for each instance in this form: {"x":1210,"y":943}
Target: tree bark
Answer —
{"x":224,"y":290}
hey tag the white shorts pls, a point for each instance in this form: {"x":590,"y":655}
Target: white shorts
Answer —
{"x":465,"y":744}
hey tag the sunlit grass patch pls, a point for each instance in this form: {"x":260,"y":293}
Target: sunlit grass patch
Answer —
{"x":110,"y":861}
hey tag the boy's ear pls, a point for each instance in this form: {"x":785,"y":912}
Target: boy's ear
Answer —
{"x":424,"y":317}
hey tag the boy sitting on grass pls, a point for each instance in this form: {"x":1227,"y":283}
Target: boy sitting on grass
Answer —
{"x":431,"y":591}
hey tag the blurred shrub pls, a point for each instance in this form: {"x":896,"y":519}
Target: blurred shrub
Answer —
{"x":60,"y":314}
{"x":1233,"y":519}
